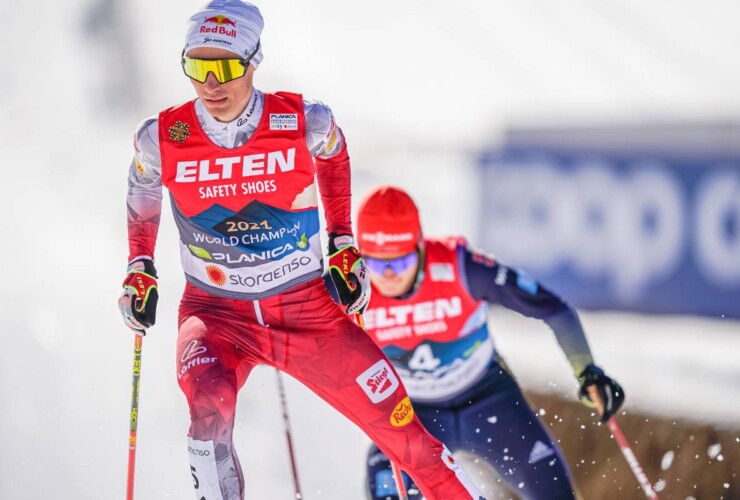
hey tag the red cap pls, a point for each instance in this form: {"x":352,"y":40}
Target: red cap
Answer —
{"x":388,"y":222}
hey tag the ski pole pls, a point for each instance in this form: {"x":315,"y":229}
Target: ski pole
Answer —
{"x":288,"y":435}
{"x":134,"y":416}
{"x":397,"y":474}
{"x":624,"y":447}
{"x":629,"y":455}
{"x":398,"y":478}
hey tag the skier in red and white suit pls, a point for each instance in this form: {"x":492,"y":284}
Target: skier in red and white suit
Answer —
{"x":242,"y":167}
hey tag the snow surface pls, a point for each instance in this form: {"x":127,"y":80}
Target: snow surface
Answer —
{"x":418,"y":87}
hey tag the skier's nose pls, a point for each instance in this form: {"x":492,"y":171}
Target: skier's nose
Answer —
{"x":211,"y":81}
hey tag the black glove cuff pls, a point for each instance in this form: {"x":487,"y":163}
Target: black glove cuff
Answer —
{"x":332,"y":236}
{"x":590,"y":374}
{"x":148,"y":266}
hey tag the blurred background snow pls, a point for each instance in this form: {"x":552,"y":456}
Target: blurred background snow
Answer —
{"x":421,"y":90}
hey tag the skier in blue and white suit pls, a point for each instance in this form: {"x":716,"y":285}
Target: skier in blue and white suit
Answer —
{"x":429,"y":313}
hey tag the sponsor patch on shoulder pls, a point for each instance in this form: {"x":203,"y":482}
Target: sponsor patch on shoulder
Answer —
{"x":283,"y":121}
{"x":501,"y":274}
{"x":442,"y":272}
{"x":378,"y":381}
{"x":526,"y":282}
{"x":332,"y":141}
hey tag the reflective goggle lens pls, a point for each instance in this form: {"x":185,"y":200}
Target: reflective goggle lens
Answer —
{"x":224,"y":70}
{"x":397,"y":265}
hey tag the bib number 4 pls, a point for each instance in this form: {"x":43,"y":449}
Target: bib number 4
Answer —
{"x":423,"y":359}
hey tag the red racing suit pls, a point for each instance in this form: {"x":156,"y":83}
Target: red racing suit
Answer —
{"x":251,"y":252}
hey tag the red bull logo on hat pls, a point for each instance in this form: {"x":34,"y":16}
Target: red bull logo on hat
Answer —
{"x":220,"y":29}
{"x":219,"y":19}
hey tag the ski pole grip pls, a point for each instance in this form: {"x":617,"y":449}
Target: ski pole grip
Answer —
{"x":593,"y":394}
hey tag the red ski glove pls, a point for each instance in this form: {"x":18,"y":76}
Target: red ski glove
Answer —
{"x":348,"y":273}
{"x":138,"y":301}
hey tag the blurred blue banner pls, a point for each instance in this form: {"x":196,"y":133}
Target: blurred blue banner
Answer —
{"x":614,"y":231}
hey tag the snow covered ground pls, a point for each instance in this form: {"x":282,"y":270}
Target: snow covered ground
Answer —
{"x":88,"y":71}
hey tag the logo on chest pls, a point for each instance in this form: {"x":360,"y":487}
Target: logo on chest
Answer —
{"x":179,"y":132}
{"x":283,"y":121}
{"x":400,"y":322}
{"x":232,"y":167}
{"x":423,"y":312}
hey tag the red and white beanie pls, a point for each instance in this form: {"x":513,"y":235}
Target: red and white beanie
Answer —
{"x":388,"y":222}
{"x":227,"y":24}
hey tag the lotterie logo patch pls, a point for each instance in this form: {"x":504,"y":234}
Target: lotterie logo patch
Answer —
{"x":283,"y":121}
{"x":179,"y":132}
{"x":378,"y":381}
{"x":442,"y":272}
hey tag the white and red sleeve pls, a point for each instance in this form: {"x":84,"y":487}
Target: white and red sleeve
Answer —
{"x":144,"y":197}
{"x":328,"y":146}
